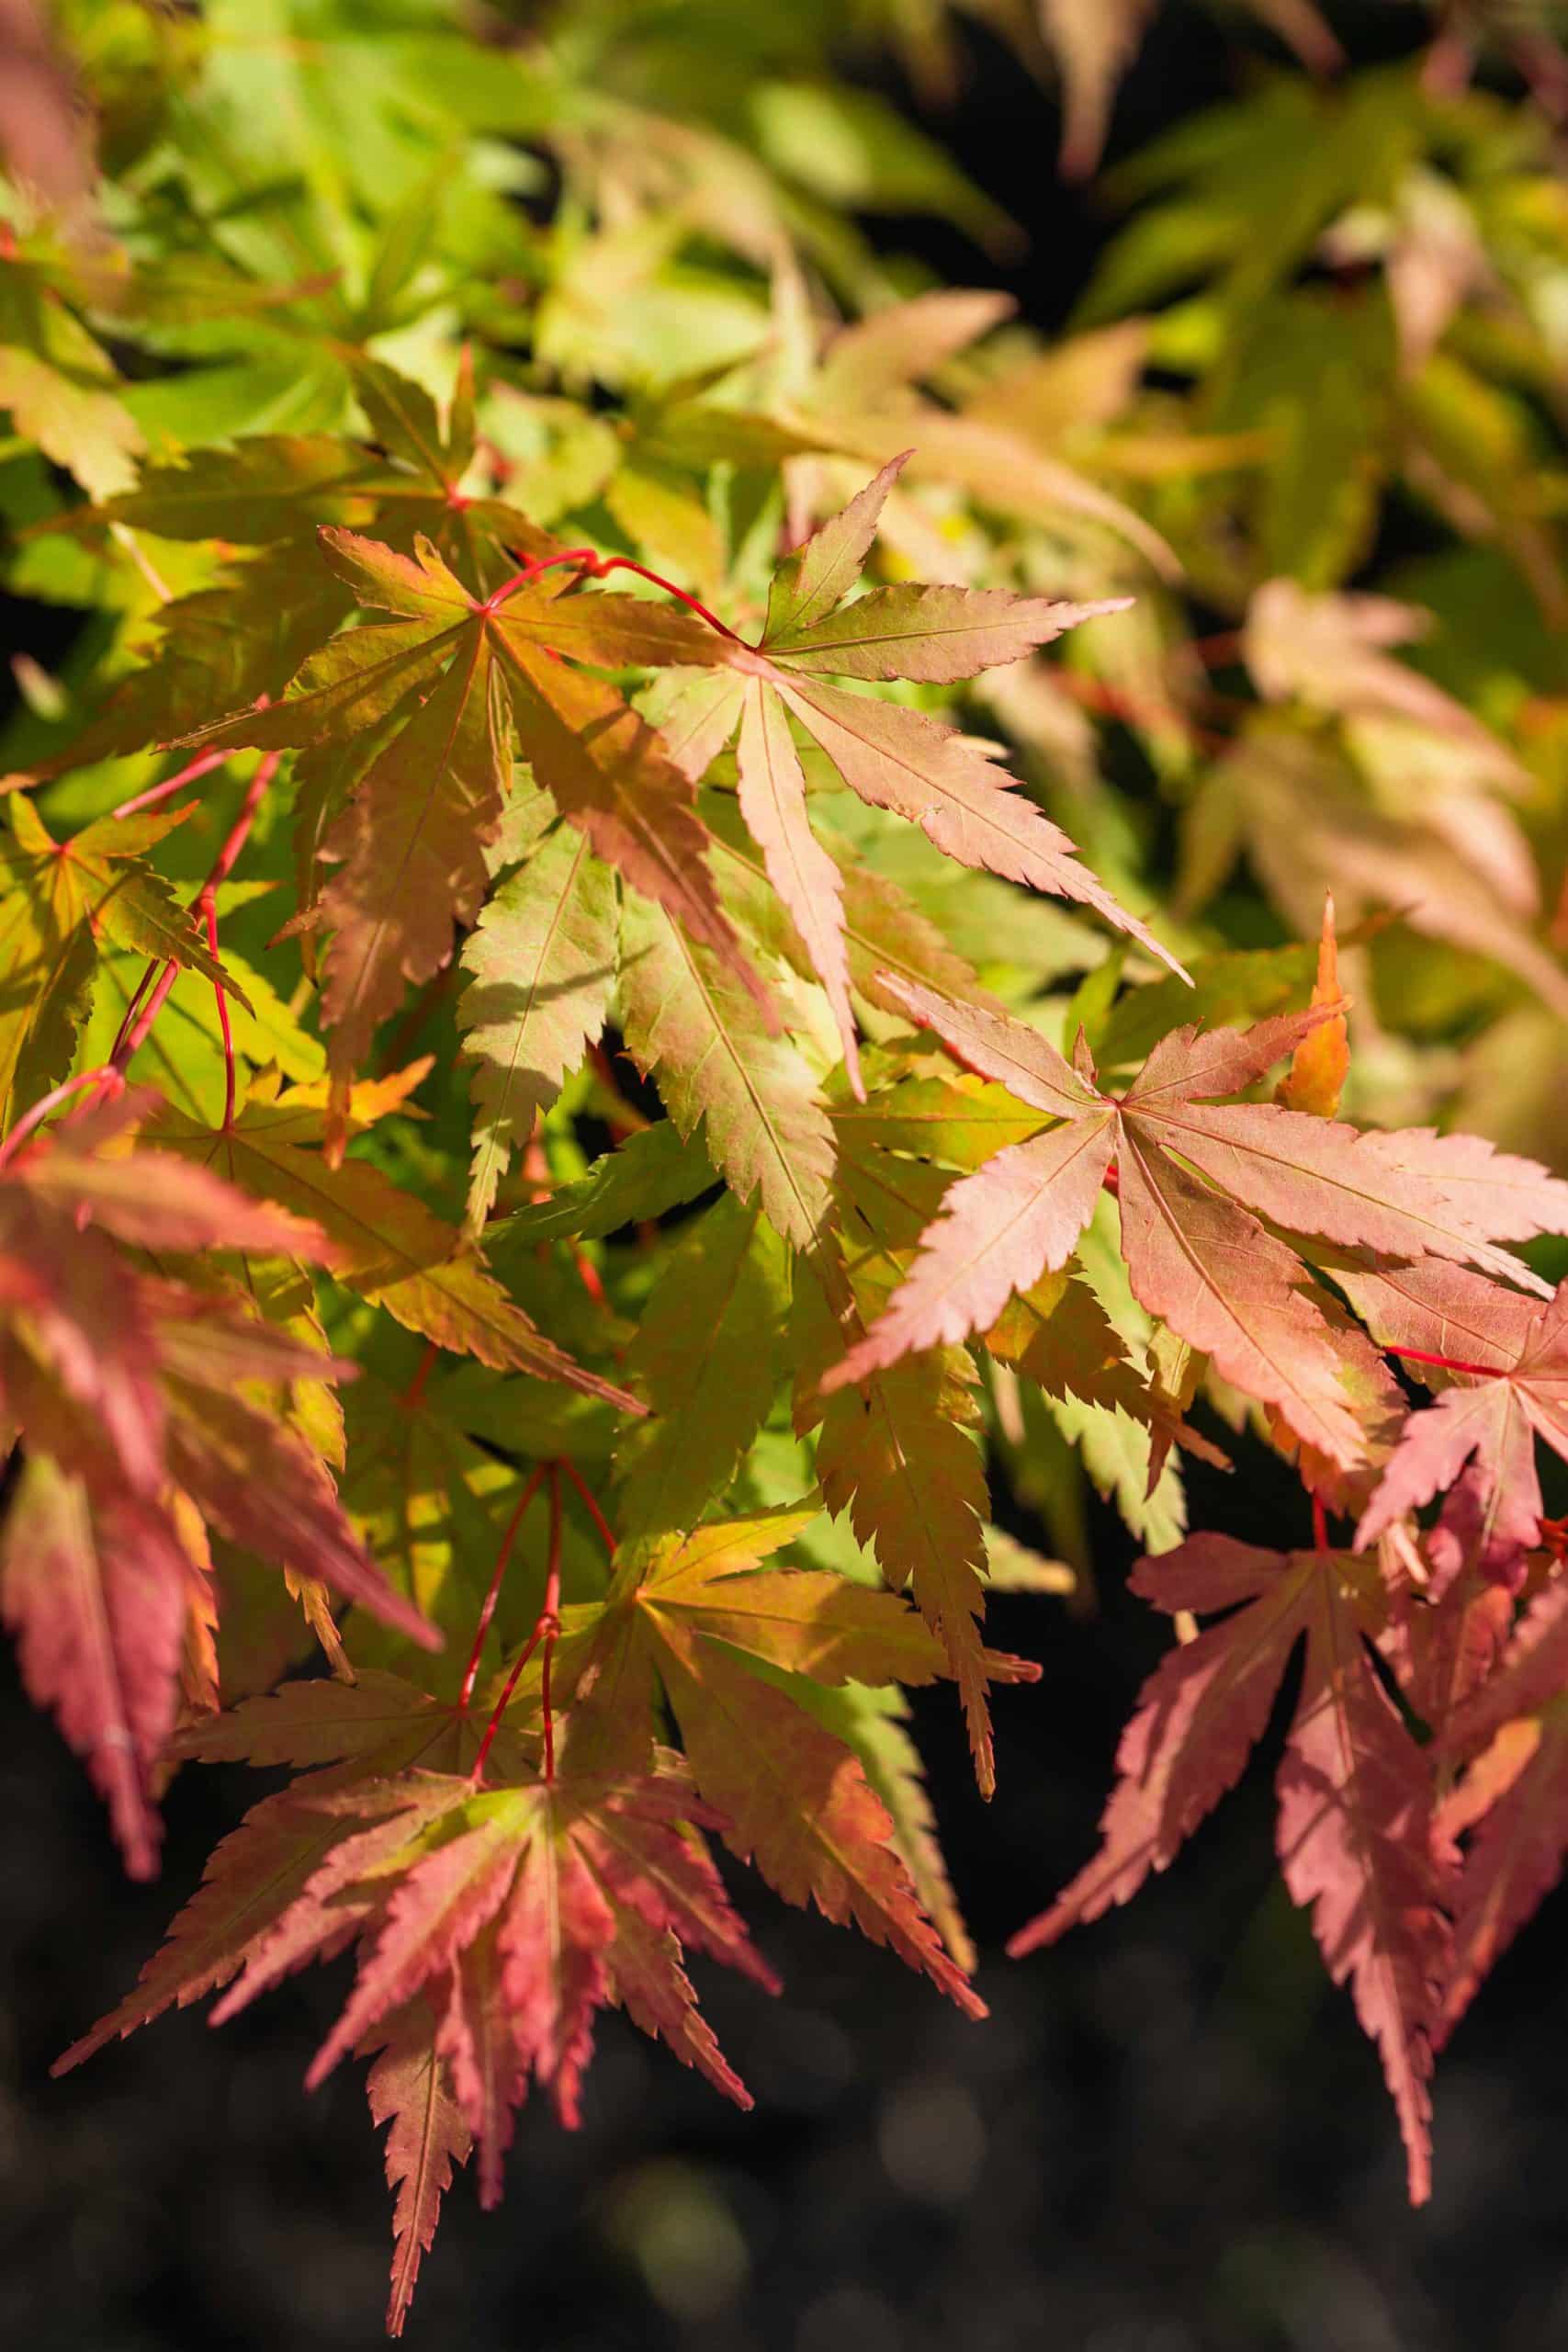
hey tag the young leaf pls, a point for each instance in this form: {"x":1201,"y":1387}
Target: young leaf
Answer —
{"x":1353,"y":1789}
{"x":1199,"y":1258}
{"x":1494,"y":1416}
{"x":409,"y":2087}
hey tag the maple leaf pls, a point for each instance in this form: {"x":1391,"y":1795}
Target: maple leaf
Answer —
{"x":129,"y":1392}
{"x":708,"y":1349}
{"x":1353,"y":1789}
{"x":387,"y":1246}
{"x":62,"y":903}
{"x":1516,"y":1391}
{"x":658,"y":1169}
{"x":541,"y":966}
{"x":409,"y":2087}
{"x":900,"y":1458}
{"x":894,"y":757}
{"x":515,"y":1912}
{"x":59,"y":384}
{"x":861,"y":402}
{"x":691,"y":1611}
{"x":1517,"y":1791}
{"x":443,"y":683}
{"x":1197,"y":1256}
{"x":274,"y":490}
{"x":752,"y":1096}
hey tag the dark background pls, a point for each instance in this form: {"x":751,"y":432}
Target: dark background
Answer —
{"x":1170,"y":2135}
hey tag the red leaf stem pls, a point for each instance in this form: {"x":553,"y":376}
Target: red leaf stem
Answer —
{"x":599,"y":567}
{"x":203,"y":764}
{"x":594,"y":1513}
{"x":547,"y":1628}
{"x":1448,"y":1363}
{"x":107,"y":1076}
{"x":471,"y":1674}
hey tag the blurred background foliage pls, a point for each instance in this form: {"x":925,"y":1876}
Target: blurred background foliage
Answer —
{"x":1267,"y":324}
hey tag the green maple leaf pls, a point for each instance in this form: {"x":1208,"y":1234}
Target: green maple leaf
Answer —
{"x":61,"y":904}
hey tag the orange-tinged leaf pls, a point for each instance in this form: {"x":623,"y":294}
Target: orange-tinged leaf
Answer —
{"x":389,"y":1246}
{"x":937,"y":635}
{"x":1199,"y":1258}
{"x":802,"y":1620}
{"x":1321,"y":1063}
{"x":1017,"y":1217}
{"x":797,"y":1803}
{"x":409,"y":855}
{"x":949,"y":785}
{"x":773,"y":801}
{"x":608,"y":774}
{"x":809,"y":584}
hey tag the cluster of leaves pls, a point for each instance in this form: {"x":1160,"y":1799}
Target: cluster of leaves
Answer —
{"x":646,"y":1046}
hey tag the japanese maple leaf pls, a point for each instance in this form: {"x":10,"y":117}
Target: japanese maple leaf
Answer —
{"x":894,"y":757}
{"x":501,"y":1918}
{"x":61,"y":904}
{"x":1195,"y":1177}
{"x":862,"y":401}
{"x":899,"y":1457}
{"x":273,"y":489}
{"x":1512,"y":1805}
{"x":541,"y":965}
{"x":698,"y":1613}
{"x":138,"y":1403}
{"x":242,"y":638}
{"x":439,"y":693}
{"x":385,"y":1244}
{"x":1488,"y":1417}
{"x":410,"y":2089}
{"x":1353,"y":1786}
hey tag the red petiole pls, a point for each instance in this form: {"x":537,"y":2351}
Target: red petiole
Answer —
{"x":546,"y":1630}
{"x":203,"y":764}
{"x":108,"y":1079}
{"x":594,"y":1513}
{"x":144,"y":1009}
{"x":486,"y":1613}
{"x":1448,"y":1363}
{"x":594,"y":565}
{"x":547,"y":1626}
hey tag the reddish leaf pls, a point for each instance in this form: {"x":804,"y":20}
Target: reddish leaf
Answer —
{"x":410,"y":2089}
{"x":1354,"y":1792}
